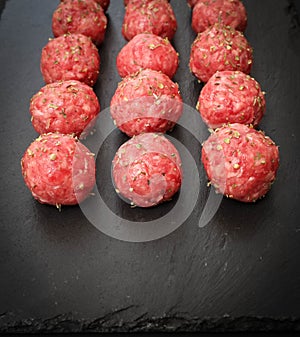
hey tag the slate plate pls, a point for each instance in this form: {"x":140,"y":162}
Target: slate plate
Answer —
{"x":59,"y":273}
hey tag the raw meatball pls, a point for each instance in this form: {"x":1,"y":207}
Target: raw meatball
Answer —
{"x":228,"y":12}
{"x":146,"y":102}
{"x":147,"y":170}
{"x":231,"y":97}
{"x":80,"y":16}
{"x":58,"y":169}
{"x":65,"y":107}
{"x":240,"y":162}
{"x":146,"y":16}
{"x":220,"y":48}
{"x":70,"y":57}
{"x":147,"y":51}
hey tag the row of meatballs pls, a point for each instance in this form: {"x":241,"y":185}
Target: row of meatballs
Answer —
{"x":57,"y":168}
{"x":240,"y":161}
{"x":147,"y":168}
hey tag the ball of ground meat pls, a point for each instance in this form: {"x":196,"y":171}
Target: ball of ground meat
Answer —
{"x":58,"y":169}
{"x":148,"y":101}
{"x":220,"y":48}
{"x":146,"y":16}
{"x":70,"y":57}
{"x":240,"y":162}
{"x":65,"y":107}
{"x":80,"y":16}
{"x":147,"y":51}
{"x":231,"y":97}
{"x":147,"y":170}
{"x":228,"y":12}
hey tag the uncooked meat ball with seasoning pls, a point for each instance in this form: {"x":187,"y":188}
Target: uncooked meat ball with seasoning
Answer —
{"x":147,"y":170}
{"x":220,"y":48}
{"x":70,"y":57}
{"x":231,"y":97}
{"x":155,"y":16}
{"x":80,"y":16}
{"x":147,"y":51}
{"x":240,"y":162}
{"x":65,"y":107}
{"x":148,"y":101}
{"x":228,"y":12}
{"x":58,"y":169}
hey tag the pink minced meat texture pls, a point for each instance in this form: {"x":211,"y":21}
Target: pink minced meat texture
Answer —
{"x":192,"y":3}
{"x":126,"y":2}
{"x":228,"y":12}
{"x":104,"y":4}
{"x":147,"y":170}
{"x":147,"y":51}
{"x":146,"y":16}
{"x":231,"y":97}
{"x":80,"y":16}
{"x":148,"y":101}
{"x":70,"y":57}
{"x":68,"y":107}
{"x":220,"y":48}
{"x":240,"y":162}
{"x":58,"y":169}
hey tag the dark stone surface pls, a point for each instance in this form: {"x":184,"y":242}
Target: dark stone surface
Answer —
{"x":111,"y":323}
{"x":239,"y":273}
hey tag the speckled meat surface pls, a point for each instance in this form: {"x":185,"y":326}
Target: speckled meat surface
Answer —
{"x":231,"y":97}
{"x":146,"y":16}
{"x":228,"y":12}
{"x":240,"y":162}
{"x":148,"y":101}
{"x":58,"y":169}
{"x":147,"y":170}
{"x":68,"y":107}
{"x":147,"y":51}
{"x":70,"y":57}
{"x":220,"y":48}
{"x":80,"y":16}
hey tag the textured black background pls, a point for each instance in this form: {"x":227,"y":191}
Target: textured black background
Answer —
{"x":240,"y":272}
